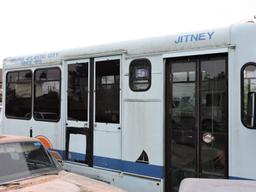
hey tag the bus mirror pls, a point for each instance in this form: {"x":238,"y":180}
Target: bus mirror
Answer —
{"x":251,"y":110}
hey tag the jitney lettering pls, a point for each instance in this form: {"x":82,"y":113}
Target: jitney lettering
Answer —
{"x":194,"y":37}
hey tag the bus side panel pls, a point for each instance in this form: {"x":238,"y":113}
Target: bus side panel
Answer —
{"x":143,"y":114}
{"x":51,"y":130}
{"x":143,"y":132}
{"x":242,"y":142}
{"x":142,"y":138}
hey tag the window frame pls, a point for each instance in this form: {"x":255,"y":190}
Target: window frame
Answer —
{"x":31,"y":88}
{"x":133,"y":64}
{"x":242,"y":92}
{"x":101,"y":86}
{"x":34,"y":92}
{"x":83,"y":62}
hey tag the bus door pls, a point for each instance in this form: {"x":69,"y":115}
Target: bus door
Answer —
{"x":196,"y":118}
{"x":107,"y":116}
{"x":93,"y":133}
{"x":78,"y":132}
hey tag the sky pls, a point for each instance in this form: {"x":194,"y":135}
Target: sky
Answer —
{"x":37,"y":26}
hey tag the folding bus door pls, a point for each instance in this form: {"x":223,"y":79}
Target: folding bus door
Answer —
{"x":78,"y":131}
{"x":107,"y":129}
{"x":196,"y":118}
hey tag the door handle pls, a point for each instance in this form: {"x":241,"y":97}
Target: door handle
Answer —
{"x":208,"y":137}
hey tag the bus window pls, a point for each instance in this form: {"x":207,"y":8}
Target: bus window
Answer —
{"x":248,"y":104}
{"x":107,"y":91}
{"x":47,"y":94}
{"x":78,"y":91}
{"x":140,"y":75}
{"x":18,"y":94}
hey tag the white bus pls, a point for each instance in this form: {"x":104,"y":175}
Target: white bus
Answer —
{"x":142,"y":114}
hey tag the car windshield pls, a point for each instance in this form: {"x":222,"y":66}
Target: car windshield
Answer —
{"x":24,"y":159}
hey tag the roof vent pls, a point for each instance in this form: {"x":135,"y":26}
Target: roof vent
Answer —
{"x":251,"y":19}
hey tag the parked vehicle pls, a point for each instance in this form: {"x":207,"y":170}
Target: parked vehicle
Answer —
{"x":143,"y":114}
{"x":25,"y":165}
{"x":216,"y":185}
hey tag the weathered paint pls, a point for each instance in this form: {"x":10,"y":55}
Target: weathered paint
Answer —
{"x":63,"y":182}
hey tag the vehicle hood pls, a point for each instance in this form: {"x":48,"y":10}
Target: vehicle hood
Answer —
{"x":63,"y":182}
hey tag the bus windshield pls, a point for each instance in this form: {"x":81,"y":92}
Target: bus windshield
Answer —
{"x":20,"y":160}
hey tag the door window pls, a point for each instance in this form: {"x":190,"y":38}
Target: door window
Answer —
{"x":78,"y":92}
{"x":107,"y":91}
{"x":183,"y":120}
{"x":213,"y":117}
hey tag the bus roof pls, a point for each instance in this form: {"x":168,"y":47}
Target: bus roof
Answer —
{"x":199,"y":40}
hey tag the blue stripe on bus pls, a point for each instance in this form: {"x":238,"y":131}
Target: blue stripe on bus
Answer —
{"x":130,"y":167}
{"x":120,"y":165}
